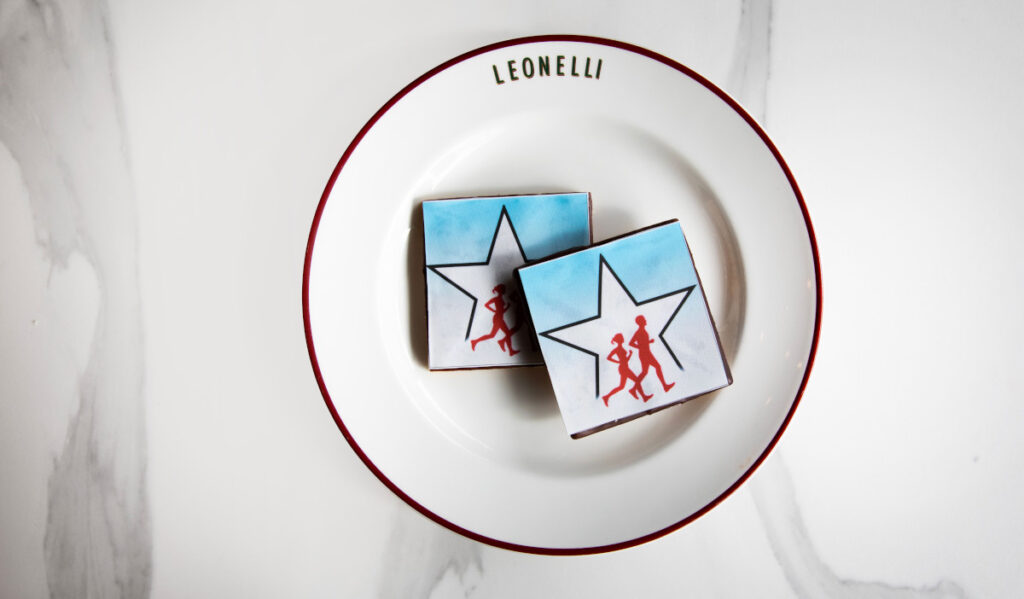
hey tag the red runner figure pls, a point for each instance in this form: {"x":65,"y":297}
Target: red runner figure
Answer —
{"x":497,"y":305}
{"x":619,"y":356}
{"x":642,"y":342}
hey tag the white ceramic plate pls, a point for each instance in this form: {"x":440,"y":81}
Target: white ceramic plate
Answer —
{"x":484,"y":452}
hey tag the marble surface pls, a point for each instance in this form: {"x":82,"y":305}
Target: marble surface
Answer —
{"x":161,"y":433}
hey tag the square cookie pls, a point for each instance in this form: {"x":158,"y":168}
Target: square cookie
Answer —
{"x":624,"y":328}
{"x":472,"y":246}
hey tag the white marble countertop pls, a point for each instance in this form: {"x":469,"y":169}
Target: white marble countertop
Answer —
{"x":161,"y":432}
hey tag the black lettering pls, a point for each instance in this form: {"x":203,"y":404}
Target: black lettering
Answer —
{"x":560,"y":66}
{"x":586,"y":70}
{"x":528,"y":67}
{"x":597,"y":75}
{"x":543,"y":65}
{"x":573,"y":70}
{"x":497,"y":77}
{"x":512,"y":70}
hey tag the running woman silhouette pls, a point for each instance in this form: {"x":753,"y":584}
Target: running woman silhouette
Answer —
{"x":619,"y":356}
{"x":497,"y":305}
{"x":642,"y":342}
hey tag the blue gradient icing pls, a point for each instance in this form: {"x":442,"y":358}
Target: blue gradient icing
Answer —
{"x":650,"y":263}
{"x":460,"y":231}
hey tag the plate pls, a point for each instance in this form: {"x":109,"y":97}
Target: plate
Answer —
{"x":484,"y":452}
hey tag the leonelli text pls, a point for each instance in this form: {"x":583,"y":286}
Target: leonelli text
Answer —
{"x":547,"y":66}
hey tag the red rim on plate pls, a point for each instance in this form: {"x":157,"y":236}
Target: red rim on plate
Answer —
{"x":312,"y":239}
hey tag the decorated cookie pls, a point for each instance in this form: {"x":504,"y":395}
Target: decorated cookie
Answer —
{"x":472,"y":246}
{"x":624,"y":328}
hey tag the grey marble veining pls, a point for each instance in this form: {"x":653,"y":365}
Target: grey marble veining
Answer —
{"x":747,"y":80}
{"x":425,"y":560}
{"x":772,"y":487}
{"x":807,"y":573}
{"x":61,"y":121}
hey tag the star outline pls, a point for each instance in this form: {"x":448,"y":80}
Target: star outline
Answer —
{"x":490,"y":250}
{"x":603,"y":262}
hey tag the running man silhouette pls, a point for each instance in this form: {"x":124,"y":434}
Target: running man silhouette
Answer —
{"x":619,"y":356}
{"x":498,"y":305}
{"x":642,"y":342}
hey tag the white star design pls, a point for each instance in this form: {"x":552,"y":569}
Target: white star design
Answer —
{"x":479,"y":280}
{"x":617,"y":313}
